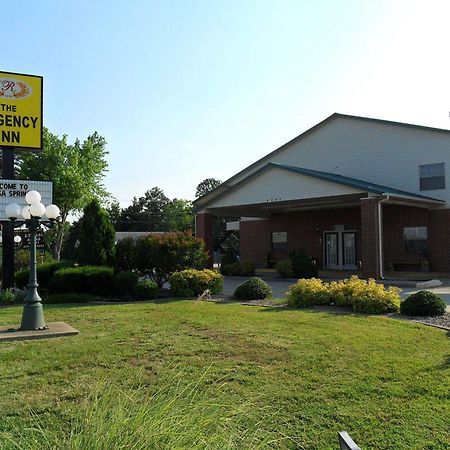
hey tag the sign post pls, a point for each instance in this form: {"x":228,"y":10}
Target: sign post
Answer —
{"x":20,"y":127}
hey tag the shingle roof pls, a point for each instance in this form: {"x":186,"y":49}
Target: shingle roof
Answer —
{"x":366,"y":186}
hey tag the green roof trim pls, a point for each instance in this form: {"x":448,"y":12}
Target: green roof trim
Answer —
{"x":352,"y":182}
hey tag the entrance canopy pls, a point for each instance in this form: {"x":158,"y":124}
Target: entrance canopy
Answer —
{"x":279,"y":188}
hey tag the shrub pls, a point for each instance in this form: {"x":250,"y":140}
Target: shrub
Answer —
{"x":157,"y":256}
{"x":308,"y":292}
{"x":22,"y":259}
{"x":124,"y":283}
{"x":374,"y":298}
{"x":11,"y":296}
{"x":303,"y":265}
{"x":423,"y":303}
{"x":146,"y":290}
{"x":125,"y":254}
{"x":67,"y":298}
{"x":229,"y":257}
{"x":44,"y":273}
{"x":253,"y":289}
{"x":363,"y":296}
{"x":191,"y":282}
{"x":284,"y":268}
{"x":243,"y":269}
{"x":97,"y":236}
{"x":88,"y":279}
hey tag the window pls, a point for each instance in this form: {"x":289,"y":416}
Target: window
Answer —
{"x":432,"y":176}
{"x":279,"y":241}
{"x":415,"y":241}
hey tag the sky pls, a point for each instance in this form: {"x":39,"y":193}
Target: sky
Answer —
{"x":188,"y":90}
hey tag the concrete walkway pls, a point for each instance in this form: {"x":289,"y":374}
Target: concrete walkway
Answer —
{"x":280,"y":286}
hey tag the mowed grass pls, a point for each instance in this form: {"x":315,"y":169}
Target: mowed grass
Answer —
{"x":294,"y":377}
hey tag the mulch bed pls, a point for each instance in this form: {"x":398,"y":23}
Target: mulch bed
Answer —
{"x":442,"y":322}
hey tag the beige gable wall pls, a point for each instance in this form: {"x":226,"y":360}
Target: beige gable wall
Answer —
{"x":276,"y":184}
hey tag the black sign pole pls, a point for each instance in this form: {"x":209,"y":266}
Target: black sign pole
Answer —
{"x":8,"y":227}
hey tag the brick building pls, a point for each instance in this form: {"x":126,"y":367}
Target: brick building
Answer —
{"x":355,"y":193}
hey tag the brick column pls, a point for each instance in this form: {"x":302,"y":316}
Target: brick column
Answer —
{"x":204,"y":230}
{"x":370,"y":239}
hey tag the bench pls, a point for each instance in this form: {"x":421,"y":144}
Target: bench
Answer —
{"x":411,"y":266}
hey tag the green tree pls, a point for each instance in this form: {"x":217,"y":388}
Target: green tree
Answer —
{"x":157,"y":256}
{"x":77,"y":171}
{"x":145,"y":213}
{"x":178,"y":215}
{"x":97,"y":236}
{"x":114,"y":210}
{"x":206,"y":186}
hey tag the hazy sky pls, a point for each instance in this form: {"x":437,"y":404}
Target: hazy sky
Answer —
{"x":186,"y":90}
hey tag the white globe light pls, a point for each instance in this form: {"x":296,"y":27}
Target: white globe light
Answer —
{"x":12,"y":211}
{"x":26,"y":212}
{"x":33,"y":197}
{"x":17,"y":239}
{"x":1,"y":238}
{"x":52,"y":211}
{"x":37,"y":209}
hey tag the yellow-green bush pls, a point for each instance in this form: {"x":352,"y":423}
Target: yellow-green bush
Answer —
{"x":308,"y":292}
{"x":192,"y":282}
{"x":363,"y":296}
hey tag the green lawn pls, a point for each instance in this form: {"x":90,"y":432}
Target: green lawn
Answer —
{"x":266,"y":377}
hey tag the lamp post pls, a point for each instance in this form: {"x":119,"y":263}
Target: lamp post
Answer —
{"x":33,"y":215}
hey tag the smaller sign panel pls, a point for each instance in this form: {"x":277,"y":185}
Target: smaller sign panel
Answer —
{"x":24,"y":234}
{"x":20,"y":110}
{"x":14,"y":191}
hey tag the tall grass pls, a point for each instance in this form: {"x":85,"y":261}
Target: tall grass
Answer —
{"x":176,"y":415}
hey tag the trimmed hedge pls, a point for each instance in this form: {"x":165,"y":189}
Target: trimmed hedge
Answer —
{"x":303,"y":265}
{"x":191,"y":282}
{"x":242,"y":269}
{"x":253,"y":289}
{"x":361,"y":295}
{"x":57,"y":299}
{"x":44,"y":274}
{"x":423,"y":303}
{"x":125,"y":283}
{"x":88,"y":279}
{"x":284,"y":268}
{"x":146,"y":290}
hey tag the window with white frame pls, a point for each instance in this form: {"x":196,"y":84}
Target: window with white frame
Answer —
{"x":432,"y":176}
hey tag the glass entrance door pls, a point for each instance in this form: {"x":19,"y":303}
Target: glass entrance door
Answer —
{"x":340,"y":250}
{"x":348,"y":250}
{"x":331,"y":250}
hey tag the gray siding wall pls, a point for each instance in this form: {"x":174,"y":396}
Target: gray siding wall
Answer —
{"x":375,"y":152}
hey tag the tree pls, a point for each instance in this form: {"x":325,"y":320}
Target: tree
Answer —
{"x":76,"y":170}
{"x":71,"y":240}
{"x":157,"y":256}
{"x":97,"y":236}
{"x":178,"y":215}
{"x":145,"y":213}
{"x":206,"y":186}
{"x":114,"y":212}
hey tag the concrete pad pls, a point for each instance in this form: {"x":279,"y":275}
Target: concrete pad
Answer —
{"x":55,"y":329}
{"x":428,"y":284}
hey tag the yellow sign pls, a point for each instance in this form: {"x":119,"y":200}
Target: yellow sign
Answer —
{"x":20,"y":110}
